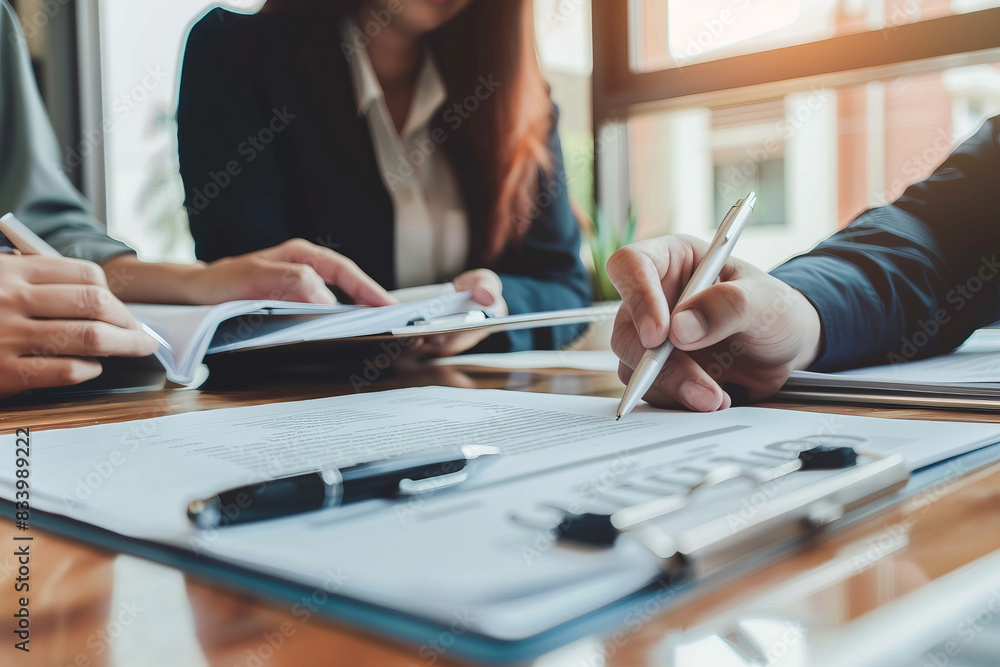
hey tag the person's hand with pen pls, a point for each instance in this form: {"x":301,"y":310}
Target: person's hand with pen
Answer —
{"x":56,"y":316}
{"x":748,"y":329}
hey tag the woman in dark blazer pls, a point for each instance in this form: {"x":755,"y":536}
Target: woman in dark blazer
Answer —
{"x":385,"y":130}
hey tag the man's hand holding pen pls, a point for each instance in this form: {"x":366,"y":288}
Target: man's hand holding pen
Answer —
{"x":748,"y":329}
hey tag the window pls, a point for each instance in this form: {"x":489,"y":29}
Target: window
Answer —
{"x":562,"y":31}
{"x":714,"y":29}
{"x":767,"y":178}
{"x":822,"y":114}
{"x":140,"y":73}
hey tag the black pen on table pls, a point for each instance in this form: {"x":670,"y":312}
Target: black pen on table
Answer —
{"x":410,"y":475}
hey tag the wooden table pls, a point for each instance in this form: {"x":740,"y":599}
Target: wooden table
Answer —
{"x":89,"y":606}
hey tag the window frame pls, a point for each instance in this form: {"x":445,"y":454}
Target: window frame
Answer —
{"x":619,"y":91}
{"x":911,"y":48}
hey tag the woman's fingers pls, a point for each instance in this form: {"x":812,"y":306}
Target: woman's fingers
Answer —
{"x":486,"y":288}
{"x":288,"y":281}
{"x":333,"y":268}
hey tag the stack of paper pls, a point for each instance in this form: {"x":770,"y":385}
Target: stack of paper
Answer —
{"x":968,"y":377}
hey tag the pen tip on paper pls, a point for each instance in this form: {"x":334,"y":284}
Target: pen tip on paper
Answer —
{"x":618,"y":418}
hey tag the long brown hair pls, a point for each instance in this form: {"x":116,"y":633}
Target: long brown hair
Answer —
{"x":510,"y":129}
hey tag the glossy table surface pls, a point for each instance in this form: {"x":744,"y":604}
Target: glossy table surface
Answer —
{"x":92,"y":607}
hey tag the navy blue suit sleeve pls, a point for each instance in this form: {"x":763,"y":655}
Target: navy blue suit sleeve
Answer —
{"x":543,"y":271}
{"x":915,"y":278}
{"x":229,"y":141}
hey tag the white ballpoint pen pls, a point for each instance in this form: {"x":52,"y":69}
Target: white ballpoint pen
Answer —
{"x":704,"y":276}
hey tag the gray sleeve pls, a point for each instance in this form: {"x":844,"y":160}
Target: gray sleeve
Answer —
{"x":32,"y":184}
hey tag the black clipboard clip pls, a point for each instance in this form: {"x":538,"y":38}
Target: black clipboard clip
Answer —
{"x":705,"y":549}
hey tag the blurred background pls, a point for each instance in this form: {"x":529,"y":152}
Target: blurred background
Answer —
{"x":823,"y":107}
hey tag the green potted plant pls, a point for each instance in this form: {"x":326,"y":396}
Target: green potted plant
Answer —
{"x":604,"y":238}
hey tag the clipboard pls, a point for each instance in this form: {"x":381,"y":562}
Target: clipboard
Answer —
{"x":530,"y":626}
{"x":317,"y":360}
{"x":463,"y":322}
{"x":663,"y":595}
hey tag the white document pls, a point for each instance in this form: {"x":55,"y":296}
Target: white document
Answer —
{"x":972,"y":370}
{"x":458,"y":552}
{"x":583,"y":360}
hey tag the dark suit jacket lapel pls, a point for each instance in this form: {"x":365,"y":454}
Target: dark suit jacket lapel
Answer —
{"x":346,"y":199}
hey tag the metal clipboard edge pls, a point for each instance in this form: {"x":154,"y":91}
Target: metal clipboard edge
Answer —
{"x":704,"y":550}
{"x":896,"y":399}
